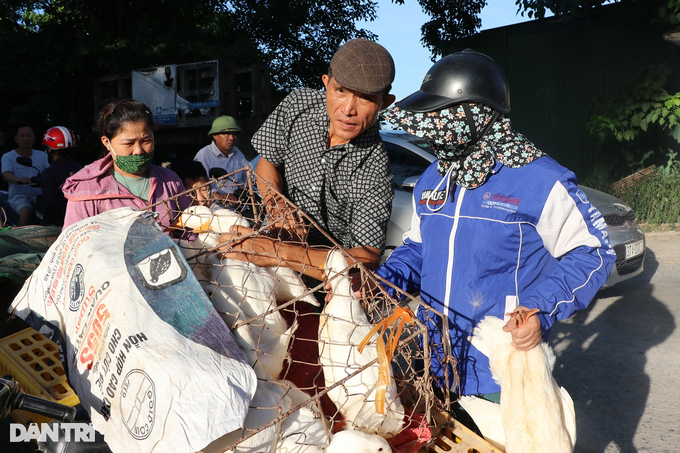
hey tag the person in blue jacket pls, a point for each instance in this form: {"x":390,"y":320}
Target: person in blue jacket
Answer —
{"x":498,"y":225}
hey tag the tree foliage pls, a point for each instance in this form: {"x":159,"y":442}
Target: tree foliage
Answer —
{"x":633,"y":112}
{"x":647,"y":105}
{"x":451,"y":19}
{"x":297,"y":39}
{"x":53,"y":49}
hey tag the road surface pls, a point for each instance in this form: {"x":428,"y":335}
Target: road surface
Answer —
{"x":620,"y":359}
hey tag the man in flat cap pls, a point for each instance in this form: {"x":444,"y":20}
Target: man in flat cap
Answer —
{"x":223,"y":154}
{"x":323,"y":151}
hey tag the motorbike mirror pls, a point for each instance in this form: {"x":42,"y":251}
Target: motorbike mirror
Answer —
{"x":25,"y":161}
{"x":216,"y":172}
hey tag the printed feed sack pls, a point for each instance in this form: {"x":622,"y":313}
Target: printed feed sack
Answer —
{"x":148,"y":356}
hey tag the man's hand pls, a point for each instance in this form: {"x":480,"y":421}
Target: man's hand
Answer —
{"x":11,"y":179}
{"x":244,"y":246}
{"x":287,"y":221}
{"x":525,"y":328}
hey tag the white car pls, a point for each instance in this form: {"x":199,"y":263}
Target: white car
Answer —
{"x":410,"y":156}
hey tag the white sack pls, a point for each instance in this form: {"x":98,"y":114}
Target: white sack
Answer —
{"x":149,"y":357}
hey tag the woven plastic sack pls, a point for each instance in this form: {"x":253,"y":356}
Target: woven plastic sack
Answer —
{"x":149,"y":357}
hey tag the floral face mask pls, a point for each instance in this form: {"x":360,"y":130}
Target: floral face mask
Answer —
{"x":465,"y":154}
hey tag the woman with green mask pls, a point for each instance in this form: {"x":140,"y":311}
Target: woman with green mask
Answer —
{"x":125,"y":176}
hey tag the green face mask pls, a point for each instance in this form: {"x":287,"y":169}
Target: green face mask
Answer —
{"x":136,"y":164}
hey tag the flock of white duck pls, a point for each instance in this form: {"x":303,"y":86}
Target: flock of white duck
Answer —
{"x":245,"y":295}
{"x":535,"y":415}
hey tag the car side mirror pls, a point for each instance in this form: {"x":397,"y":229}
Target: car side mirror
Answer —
{"x":409,"y":183}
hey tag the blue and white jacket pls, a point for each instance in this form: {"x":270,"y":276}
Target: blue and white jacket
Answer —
{"x":528,"y":236}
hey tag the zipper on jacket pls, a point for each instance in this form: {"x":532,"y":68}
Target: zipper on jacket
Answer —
{"x":449,"y":272}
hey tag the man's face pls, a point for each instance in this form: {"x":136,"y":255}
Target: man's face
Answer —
{"x":25,"y":138}
{"x":350,"y":111}
{"x":225,"y":141}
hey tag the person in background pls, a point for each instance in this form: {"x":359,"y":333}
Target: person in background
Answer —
{"x":498,"y":228}
{"x":59,"y":143}
{"x":193,"y":174}
{"x":222,"y":153}
{"x":323,"y":152}
{"x":125,"y":176}
{"x":22,"y":195}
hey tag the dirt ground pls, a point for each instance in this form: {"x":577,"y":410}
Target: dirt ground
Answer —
{"x":665,"y":242}
{"x":659,"y":228}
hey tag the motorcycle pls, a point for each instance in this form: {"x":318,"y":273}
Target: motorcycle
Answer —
{"x":13,"y":398}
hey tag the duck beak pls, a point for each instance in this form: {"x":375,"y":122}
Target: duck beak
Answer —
{"x":204,"y":228}
{"x":176,"y":225}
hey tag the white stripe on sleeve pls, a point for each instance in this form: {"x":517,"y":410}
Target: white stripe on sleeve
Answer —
{"x":561,"y":225}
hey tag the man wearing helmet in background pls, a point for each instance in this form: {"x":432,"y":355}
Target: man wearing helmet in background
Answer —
{"x":223,"y":154}
{"x":498,"y":225}
{"x":18,"y":167}
{"x":59,"y":143}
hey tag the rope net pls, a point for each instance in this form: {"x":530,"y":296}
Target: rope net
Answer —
{"x":303,"y":336}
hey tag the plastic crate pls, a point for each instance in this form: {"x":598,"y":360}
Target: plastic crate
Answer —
{"x":454,"y":437}
{"x":34,"y":362}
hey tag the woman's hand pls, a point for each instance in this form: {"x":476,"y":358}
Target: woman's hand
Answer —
{"x":525,"y":328}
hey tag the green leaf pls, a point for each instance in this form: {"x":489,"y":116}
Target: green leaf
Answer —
{"x":635,"y":120}
{"x":645,"y":106}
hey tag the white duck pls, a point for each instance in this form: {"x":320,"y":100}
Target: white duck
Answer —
{"x":357,"y":442}
{"x":269,"y":402}
{"x":242,"y":292}
{"x":289,"y":285}
{"x":198,"y":219}
{"x":210,"y":224}
{"x":224,"y":219}
{"x":218,"y":221}
{"x":343,"y":325}
{"x":537,"y":415}
{"x":251,"y":287}
{"x":303,"y":431}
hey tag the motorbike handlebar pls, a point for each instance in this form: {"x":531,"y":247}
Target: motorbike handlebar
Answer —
{"x":44,"y":407}
{"x":12,"y":397}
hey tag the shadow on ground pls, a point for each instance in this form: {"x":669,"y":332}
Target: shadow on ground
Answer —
{"x":601,"y":360}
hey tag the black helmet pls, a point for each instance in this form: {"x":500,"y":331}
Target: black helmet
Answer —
{"x":466,"y":76}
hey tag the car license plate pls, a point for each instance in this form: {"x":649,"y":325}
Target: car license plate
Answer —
{"x":634,"y":249}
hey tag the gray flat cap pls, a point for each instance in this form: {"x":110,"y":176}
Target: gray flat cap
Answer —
{"x":363,"y":65}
